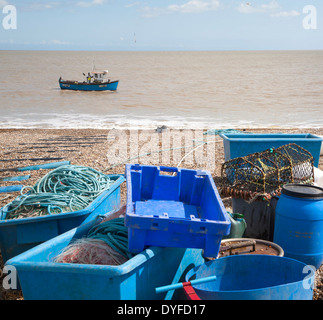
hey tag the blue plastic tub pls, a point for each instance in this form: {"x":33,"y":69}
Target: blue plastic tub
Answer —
{"x":19,"y":235}
{"x":240,"y":145}
{"x":254,"y":277}
{"x":299,"y":223}
{"x":42,"y":279}
{"x":174,"y":207}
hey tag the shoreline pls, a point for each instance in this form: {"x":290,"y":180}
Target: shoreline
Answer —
{"x":108,"y":150}
{"x":172,"y":127}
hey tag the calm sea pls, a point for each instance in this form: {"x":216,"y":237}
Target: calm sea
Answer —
{"x":176,"y":89}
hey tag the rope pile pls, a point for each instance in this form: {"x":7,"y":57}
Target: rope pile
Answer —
{"x":105,"y":244}
{"x":65,"y":189}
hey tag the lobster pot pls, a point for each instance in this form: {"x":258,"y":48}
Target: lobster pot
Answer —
{"x":264,"y":173}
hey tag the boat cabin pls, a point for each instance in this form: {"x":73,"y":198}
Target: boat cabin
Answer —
{"x":99,"y":76}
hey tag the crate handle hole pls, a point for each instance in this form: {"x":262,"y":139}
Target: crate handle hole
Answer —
{"x":167,"y":173}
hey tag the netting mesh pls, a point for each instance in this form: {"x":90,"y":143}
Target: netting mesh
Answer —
{"x":264,"y":173}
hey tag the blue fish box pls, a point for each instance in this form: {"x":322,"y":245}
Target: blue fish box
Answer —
{"x":240,"y":145}
{"x":19,"y":235}
{"x":174,"y":207}
{"x":42,"y":279}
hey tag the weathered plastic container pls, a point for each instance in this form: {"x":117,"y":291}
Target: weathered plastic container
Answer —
{"x":240,"y":145}
{"x":42,"y":279}
{"x":19,"y":235}
{"x":254,"y":277}
{"x":174,"y":207}
{"x":235,"y":246}
{"x":299,"y":223}
{"x":259,"y":216}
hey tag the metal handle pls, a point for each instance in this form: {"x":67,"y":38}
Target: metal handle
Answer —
{"x":243,"y":244}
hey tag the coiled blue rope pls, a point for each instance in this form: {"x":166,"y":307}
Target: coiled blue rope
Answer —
{"x":65,"y":189}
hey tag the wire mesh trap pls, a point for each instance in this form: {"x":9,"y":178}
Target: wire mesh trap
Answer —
{"x":262,"y":174}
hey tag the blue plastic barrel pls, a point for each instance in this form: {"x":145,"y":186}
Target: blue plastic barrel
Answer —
{"x":299,"y":223}
{"x":254,"y":277}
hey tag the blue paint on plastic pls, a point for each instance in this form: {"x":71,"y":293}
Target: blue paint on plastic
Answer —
{"x":299,"y":224}
{"x":42,"y":279}
{"x":254,"y":277}
{"x":174,"y":207}
{"x":19,"y":235}
{"x":13,"y":188}
{"x":240,"y":145}
{"x":51,"y":165}
{"x":17,"y":178}
{"x":180,"y":285}
{"x":111,"y":86}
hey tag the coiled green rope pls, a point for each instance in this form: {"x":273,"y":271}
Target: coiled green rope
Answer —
{"x":65,"y":189}
{"x":114,"y":233}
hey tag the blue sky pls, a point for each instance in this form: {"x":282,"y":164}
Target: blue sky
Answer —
{"x":162,"y":25}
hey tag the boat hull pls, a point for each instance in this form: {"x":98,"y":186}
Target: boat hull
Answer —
{"x":83,"y":86}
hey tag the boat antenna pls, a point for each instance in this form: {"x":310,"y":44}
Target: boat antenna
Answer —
{"x":93,"y":65}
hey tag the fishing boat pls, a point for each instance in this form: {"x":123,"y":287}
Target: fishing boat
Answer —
{"x":95,"y":81}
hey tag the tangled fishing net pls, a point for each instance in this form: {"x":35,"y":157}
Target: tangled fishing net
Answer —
{"x":105,"y":244}
{"x":65,"y":189}
{"x":261,"y":175}
{"x":90,"y":251}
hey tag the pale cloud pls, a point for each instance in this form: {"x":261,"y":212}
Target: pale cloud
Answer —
{"x":59,"y":42}
{"x":192,"y":6}
{"x":3,"y":3}
{"x":43,"y":6}
{"x":54,"y":42}
{"x":195,"y":6}
{"x":270,"y":6}
{"x":90,"y":3}
{"x":132,"y":4}
{"x":292,"y":13}
{"x":249,"y":7}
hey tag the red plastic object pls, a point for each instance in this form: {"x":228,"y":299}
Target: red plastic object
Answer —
{"x":189,"y":291}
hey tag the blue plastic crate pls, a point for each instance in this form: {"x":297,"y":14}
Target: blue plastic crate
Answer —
{"x":240,"y":145}
{"x":42,"y":279}
{"x":174,"y":207}
{"x":19,"y":235}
